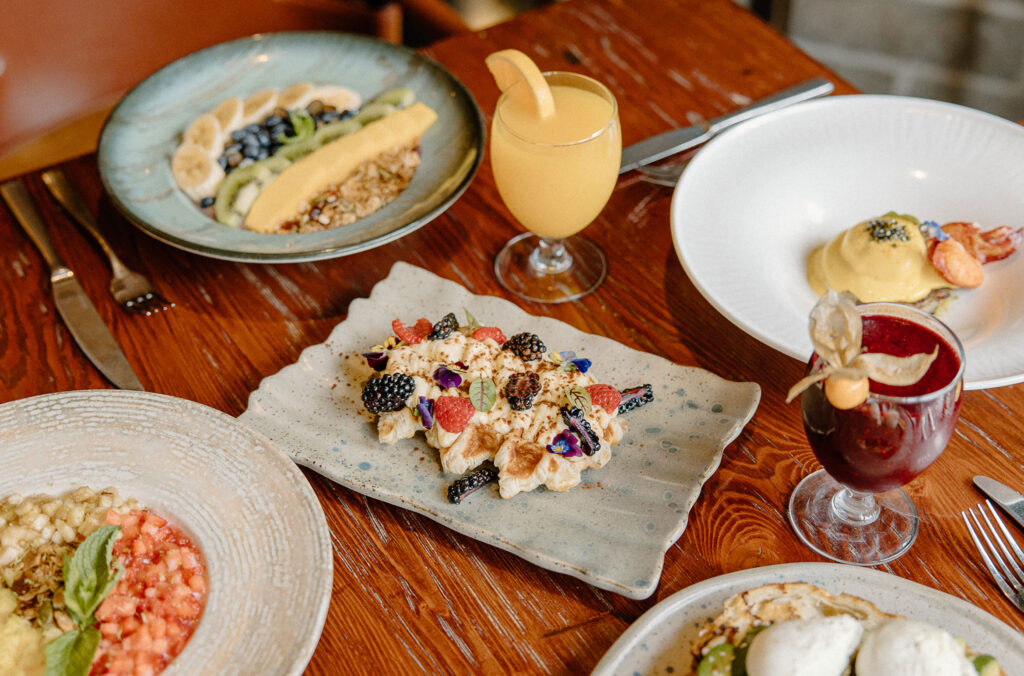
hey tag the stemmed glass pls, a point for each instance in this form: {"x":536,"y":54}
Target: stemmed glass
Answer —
{"x":555,"y":175}
{"x":854,"y":510}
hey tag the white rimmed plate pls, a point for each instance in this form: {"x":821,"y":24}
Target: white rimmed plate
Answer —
{"x":137,"y":141}
{"x":755,"y":202}
{"x":611,"y":531}
{"x":254,"y":516}
{"x":659,"y":641}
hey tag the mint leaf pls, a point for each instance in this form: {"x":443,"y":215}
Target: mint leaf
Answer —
{"x":88,"y":577}
{"x":578,"y":397}
{"x":483,"y":393}
{"x":471,"y":323}
{"x":71,"y":654}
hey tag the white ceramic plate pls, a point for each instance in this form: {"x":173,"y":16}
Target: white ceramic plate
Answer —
{"x":754,"y":203}
{"x":611,"y":531}
{"x":659,"y":641}
{"x":254,"y":516}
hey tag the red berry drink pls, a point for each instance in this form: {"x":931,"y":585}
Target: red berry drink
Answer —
{"x":899,"y":431}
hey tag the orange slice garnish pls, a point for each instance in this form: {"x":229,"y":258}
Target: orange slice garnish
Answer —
{"x":510,"y":66}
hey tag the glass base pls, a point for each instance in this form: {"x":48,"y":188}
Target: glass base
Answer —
{"x":525,"y":271}
{"x":826,"y":516}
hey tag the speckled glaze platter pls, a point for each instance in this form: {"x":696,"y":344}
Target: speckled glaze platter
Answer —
{"x":251,"y":511}
{"x":137,"y":141}
{"x":658,"y":643}
{"x":610,"y":531}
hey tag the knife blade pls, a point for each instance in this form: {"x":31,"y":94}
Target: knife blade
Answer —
{"x":1010,"y":500}
{"x":74,"y":306}
{"x":678,"y":140}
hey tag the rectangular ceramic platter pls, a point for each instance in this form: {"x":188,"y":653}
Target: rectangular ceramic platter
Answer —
{"x":610,"y":531}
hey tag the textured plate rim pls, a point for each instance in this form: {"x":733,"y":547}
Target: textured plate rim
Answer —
{"x":611,"y":662}
{"x":318,"y":617}
{"x":283,"y":255}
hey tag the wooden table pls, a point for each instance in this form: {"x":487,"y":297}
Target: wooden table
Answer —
{"x":409,"y":595}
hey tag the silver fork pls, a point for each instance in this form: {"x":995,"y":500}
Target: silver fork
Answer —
{"x":130,"y":289}
{"x":665,"y":174}
{"x":995,"y":549}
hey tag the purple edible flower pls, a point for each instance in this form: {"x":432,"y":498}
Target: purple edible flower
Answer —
{"x":426,"y":410}
{"x":446,"y":377}
{"x":378,"y":361}
{"x":565,"y":445}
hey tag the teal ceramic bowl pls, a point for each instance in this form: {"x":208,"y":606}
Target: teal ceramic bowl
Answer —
{"x":137,"y":141}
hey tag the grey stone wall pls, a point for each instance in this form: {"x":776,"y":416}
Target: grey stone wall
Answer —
{"x":965,"y":51}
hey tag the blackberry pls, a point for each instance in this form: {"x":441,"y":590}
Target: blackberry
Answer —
{"x":444,"y":328}
{"x":473,"y":481}
{"x":635,"y":397}
{"x":527,"y":345}
{"x":520,"y":390}
{"x":387,"y":392}
{"x":578,"y":425}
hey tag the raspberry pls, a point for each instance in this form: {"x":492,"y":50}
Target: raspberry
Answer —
{"x":444,"y":328}
{"x":605,"y":396}
{"x":527,"y":345}
{"x":414,"y":334}
{"x":387,"y":392}
{"x":453,"y":413}
{"x":520,"y":390}
{"x":492,"y":332}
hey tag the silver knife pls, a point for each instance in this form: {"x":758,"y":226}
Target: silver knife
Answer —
{"x":78,"y":312}
{"x":1010,"y":500}
{"x":678,"y":140}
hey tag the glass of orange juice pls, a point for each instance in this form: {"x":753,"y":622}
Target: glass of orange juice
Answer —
{"x":555,"y":173}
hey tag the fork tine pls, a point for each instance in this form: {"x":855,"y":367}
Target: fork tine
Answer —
{"x":992,"y":570}
{"x":1002,"y":544}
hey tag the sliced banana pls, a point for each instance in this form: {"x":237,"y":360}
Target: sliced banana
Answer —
{"x":229,"y":113}
{"x":296,"y":96}
{"x":196,"y":173}
{"x":342,"y":98}
{"x":206,"y":133}
{"x":258,"y":106}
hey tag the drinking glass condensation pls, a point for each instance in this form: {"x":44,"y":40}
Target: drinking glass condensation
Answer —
{"x":853,"y":510}
{"x":555,"y":175}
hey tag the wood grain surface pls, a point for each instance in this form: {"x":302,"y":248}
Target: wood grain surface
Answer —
{"x":409,"y":595}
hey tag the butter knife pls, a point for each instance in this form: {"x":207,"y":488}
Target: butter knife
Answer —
{"x":678,"y":140}
{"x":78,"y":312}
{"x":1010,"y":500}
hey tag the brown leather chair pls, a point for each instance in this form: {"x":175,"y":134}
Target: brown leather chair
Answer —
{"x":68,"y":62}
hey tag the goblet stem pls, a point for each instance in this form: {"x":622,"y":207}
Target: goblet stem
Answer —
{"x":550,"y":257}
{"x":855,"y":508}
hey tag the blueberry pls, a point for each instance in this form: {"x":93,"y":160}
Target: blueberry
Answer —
{"x":206,"y":202}
{"x":273,"y":121}
{"x":223,"y":161}
{"x":238,"y":135}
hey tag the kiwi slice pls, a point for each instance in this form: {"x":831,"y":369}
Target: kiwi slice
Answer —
{"x":373,"y":111}
{"x":293,"y":151}
{"x":329,"y":132}
{"x":400,"y":97}
{"x":261,"y":173}
{"x":986,"y":665}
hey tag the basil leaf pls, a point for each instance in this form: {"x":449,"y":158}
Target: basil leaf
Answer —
{"x":71,"y":654}
{"x":483,"y":393}
{"x":578,"y":397}
{"x":88,"y":577}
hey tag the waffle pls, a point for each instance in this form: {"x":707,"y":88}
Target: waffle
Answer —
{"x":515,"y":441}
